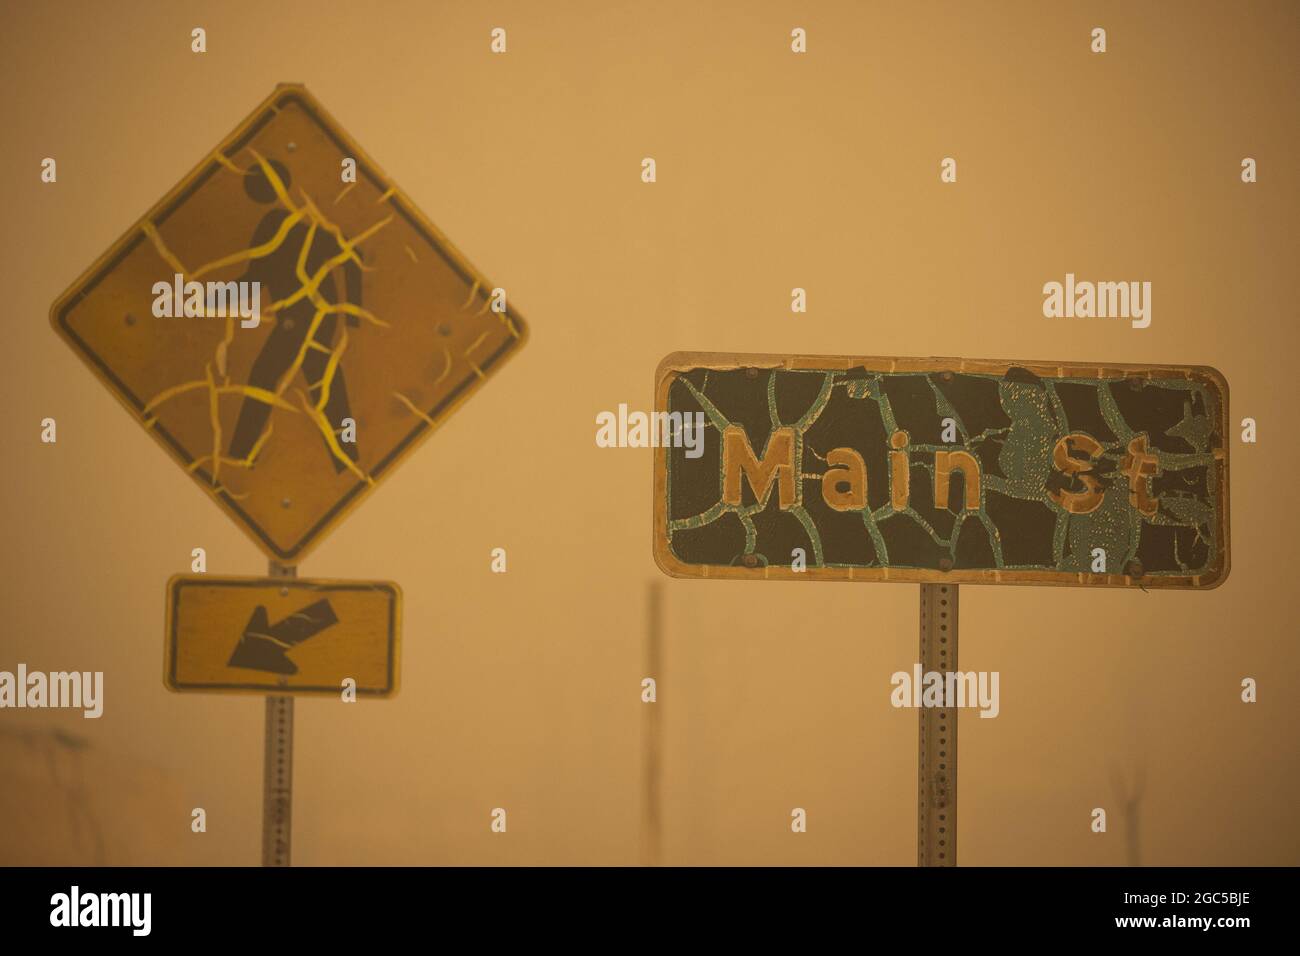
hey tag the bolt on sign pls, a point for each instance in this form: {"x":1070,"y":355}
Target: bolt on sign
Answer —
{"x":282,"y":635}
{"x":287,"y":335}
{"x":942,"y":470}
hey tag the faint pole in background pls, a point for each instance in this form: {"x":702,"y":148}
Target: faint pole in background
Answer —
{"x":1130,"y":799}
{"x":652,"y":733}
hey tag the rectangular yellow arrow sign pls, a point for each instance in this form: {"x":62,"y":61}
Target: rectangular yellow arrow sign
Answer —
{"x":282,"y":635}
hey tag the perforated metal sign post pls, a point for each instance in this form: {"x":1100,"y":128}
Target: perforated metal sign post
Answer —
{"x":289,"y":326}
{"x":940,"y":471}
{"x":277,"y":769}
{"x":936,"y":766}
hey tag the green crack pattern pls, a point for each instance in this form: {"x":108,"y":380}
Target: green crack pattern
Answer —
{"x":1037,"y":418}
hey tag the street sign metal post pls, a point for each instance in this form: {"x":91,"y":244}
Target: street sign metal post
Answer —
{"x":940,"y":472}
{"x":936,"y":766}
{"x":277,"y":781}
{"x":277,"y":765}
{"x":289,"y":327}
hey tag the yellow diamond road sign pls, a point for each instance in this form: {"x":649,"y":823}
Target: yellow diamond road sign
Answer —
{"x":287,"y":324}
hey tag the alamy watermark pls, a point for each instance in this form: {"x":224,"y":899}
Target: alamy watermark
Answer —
{"x":946,"y":689}
{"x":74,"y":908}
{"x":626,"y":429}
{"x":181,"y":299}
{"x":1101,"y":300}
{"x":75,"y":689}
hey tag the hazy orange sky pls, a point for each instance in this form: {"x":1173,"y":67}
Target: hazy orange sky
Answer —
{"x":774,"y":170}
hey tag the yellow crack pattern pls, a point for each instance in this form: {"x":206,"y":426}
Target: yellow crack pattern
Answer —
{"x":267,"y":206}
{"x":309,"y":286}
{"x":415,"y":409}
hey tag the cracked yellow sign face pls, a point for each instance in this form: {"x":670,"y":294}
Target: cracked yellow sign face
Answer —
{"x":287,"y":324}
{"x":282,"y":635}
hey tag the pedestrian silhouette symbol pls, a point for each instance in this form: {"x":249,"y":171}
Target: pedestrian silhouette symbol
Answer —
{"x":290,"y":326}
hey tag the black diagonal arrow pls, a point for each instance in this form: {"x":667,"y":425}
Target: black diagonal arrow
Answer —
{"x":262,"y":647}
